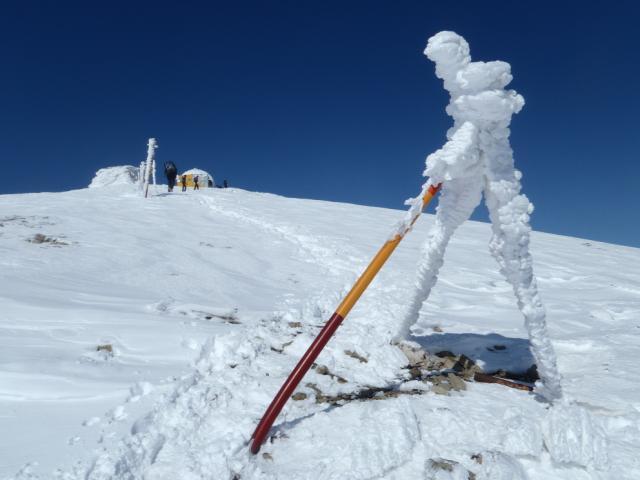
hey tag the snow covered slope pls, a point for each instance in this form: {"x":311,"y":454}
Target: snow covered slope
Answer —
{"x":144,"y":339}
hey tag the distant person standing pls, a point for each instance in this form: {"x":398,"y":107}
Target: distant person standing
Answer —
{"x":225,"y":184}
{"x":184,"y":183}
{"x":195,"y":183}
{"x":171,"y":172}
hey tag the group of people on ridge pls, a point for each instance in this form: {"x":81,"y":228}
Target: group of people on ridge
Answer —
{"x":171,"y":171}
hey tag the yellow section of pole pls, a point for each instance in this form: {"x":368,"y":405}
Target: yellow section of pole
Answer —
{"x":379,"y":260}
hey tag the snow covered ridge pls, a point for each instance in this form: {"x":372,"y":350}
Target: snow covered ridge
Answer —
{"x":120,"y":175}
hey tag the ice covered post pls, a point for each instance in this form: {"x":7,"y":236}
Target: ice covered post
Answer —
{"x":476,"y":160}
{"x":150,"y":164}
{"x":141,"y":170}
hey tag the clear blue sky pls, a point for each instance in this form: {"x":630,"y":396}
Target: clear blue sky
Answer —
{"x":331,"y":100}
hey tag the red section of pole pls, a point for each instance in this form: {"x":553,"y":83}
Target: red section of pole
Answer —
{"x":294,"y":379}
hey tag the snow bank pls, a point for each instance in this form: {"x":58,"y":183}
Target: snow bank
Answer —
{"x":120,"y":175}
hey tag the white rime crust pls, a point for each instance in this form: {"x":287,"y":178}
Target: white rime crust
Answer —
{"x":477,"y":160}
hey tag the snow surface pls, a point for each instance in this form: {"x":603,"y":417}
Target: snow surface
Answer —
{"x":205,"y":322}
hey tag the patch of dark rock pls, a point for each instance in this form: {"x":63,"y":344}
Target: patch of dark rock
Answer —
{"x":13,"y":219}
{"x":267,"y":456}
{"x":441,"y":464}
{"x":372,"y":393}
{"x":299,"y":396}
{"x":444,"y":384}
{"x":529,"y":376}
{"x":447,"y":371}
{"x":231,"y":317}
{"x":105,"y":352}
{"x":465,"y":367}
{"x":324,"y":370}
{"x":445,"y":354}
{"x":107,"y":348}
{"x":484,"y":378}
{"x":451,"y":467}
{"x":210,"y":245}
{"x":39,"y":238}
{"x":295,"y":324}
{"x":356,"y":355}
{"x":29,"y":222}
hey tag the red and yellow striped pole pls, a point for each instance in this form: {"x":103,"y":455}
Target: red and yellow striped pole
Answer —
{"x":330,"y":328}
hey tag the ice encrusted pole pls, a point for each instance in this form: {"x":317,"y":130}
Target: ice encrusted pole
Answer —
{"x":141,"y":170}
{"x":478,"y":158}
{"x":150,"y":164}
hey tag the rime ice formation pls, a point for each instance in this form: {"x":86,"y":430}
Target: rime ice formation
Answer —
{"x":121,"y":175}
{"x":478,"y":159}
{"x":150,"y":164}
{"x":141,"y":175}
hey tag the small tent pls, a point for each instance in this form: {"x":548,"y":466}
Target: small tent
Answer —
{"x":205,"y":179}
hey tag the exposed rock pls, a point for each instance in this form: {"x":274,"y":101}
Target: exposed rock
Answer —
{"x":444,"y":354}
{"x":443,"y":469}
{"x":441,"y":389}
{"x":415,"y":355}
{"x":355,"y":355}
{"x":466,"y":367}
{"x":442,"y":464}
{"x":107,"y":347}
{"x":456,"y":382}
{"x":39,"y":238}
{"x":324,"y":370}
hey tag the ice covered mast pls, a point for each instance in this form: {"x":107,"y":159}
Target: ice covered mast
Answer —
{"x":478,"y":159}
{"x":150,"y":165}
